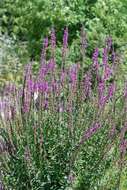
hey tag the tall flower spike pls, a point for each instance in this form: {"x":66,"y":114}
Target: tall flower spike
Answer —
{"x":87,"y":83}
{"x":65,"y":44}
{"x":111,"y":90}
{"x":43,"y":52}
{"x":53,"y":38}
{"x":95,"y":59}
{"x":65,"y":38}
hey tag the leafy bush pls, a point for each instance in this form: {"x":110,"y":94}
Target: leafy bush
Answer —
{"x":66,"y":125}
{"x":31,"y":20}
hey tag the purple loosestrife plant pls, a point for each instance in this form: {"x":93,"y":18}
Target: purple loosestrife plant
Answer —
{"x":71,"y":108}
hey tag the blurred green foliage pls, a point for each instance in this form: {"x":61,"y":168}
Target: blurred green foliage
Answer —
{"x":31,"y":20}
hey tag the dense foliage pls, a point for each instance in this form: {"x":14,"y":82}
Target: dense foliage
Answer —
{"x":30,"y":20}
{"x":65,"y":126}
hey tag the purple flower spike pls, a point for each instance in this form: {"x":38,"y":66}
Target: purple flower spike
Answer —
{"x":107,"y":72}
{"x":65,"y":38}
{"x":73,"y":73}
{"x":87,"y":85}
{"x":51,"y":65}
{"x":101,"y":87}
{"x":43,"y":87}
{"x":111,"y":90}
{"x":53,"y":39}
{"x":95,"y":59}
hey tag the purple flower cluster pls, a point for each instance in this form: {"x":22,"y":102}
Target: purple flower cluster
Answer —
{"x":87,"y":85}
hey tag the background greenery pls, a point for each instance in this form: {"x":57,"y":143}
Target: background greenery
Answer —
{"x":31,"y":20}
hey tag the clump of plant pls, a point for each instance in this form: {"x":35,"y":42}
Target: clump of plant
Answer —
{"x":66,"y":125}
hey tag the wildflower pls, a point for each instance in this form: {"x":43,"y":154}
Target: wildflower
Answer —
{"x":73,"y":73}
{"x":101,"y":88}
{"x":62,"y":76}
{"x":51,"y":65}
{"x":43,"y":87}
{"x":111,"y":90}
{"x":95,"y":59}
{"x":65,"y":39}
{"x":87,"y":84}
{"x":107,"y":72}
{"x":42,"y":72}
